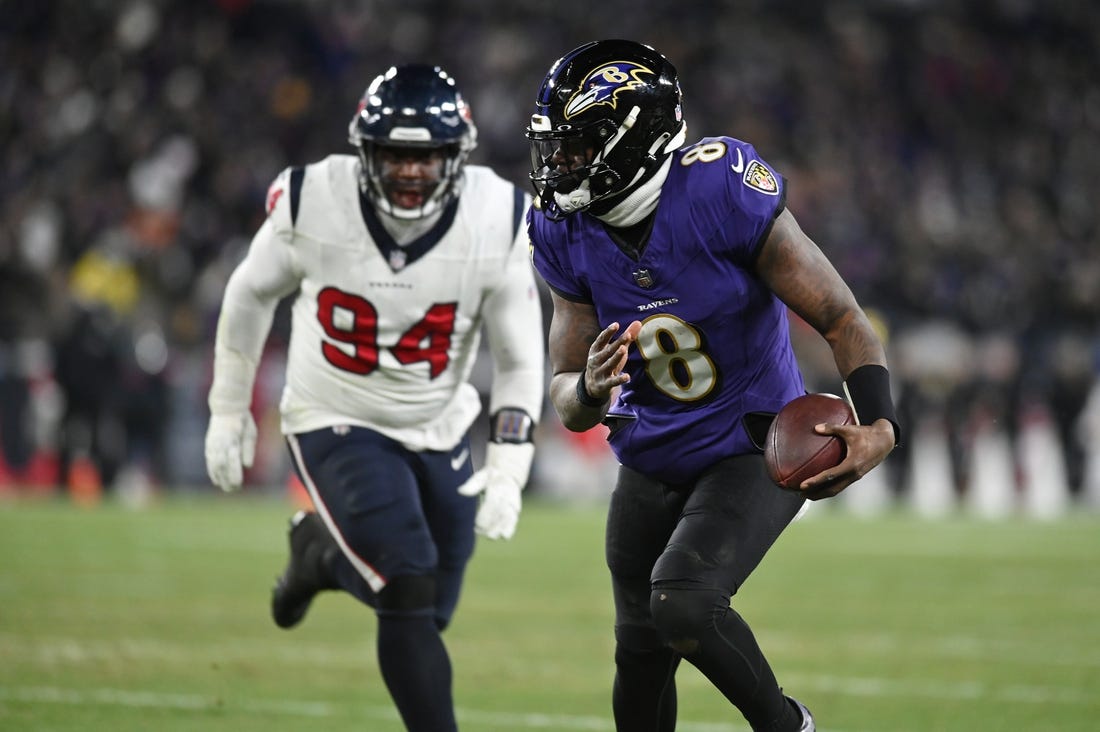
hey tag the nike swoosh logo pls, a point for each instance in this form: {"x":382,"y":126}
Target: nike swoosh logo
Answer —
{"x":739,"y":167}
{"x":460,"y":458}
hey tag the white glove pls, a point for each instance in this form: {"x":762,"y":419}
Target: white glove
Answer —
{"x":230,"y":448}
{"x":499,"y":483}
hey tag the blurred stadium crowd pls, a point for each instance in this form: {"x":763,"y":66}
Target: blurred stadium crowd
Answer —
{"x":945,"y":155}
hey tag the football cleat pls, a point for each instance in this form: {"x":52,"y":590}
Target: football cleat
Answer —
{"x":807,"y":718}
{"x":304,"y":576}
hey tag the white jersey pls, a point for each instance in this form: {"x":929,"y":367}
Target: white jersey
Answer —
{"x":385,"y":336}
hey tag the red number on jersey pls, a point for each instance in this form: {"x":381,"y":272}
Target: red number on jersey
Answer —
{"x":357,"y":325}
{"x":429,"y":339}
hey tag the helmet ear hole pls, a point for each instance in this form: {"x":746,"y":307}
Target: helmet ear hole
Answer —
{"x":604,"y":183}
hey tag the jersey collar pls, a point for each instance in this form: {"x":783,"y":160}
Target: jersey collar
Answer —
{"x":399,"y":257}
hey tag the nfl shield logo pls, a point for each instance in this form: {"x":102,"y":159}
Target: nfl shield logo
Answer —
{"x":397,"y":259}
{"x":643,"y":278}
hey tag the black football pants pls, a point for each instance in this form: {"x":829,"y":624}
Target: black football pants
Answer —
{"x":677,"y":554}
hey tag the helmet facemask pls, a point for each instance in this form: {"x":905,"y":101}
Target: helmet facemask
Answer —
{"x":583,"y":167}
{"x":407,"y":181}
{"x":607,"y":116}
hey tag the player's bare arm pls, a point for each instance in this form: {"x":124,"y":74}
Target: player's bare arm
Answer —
{"x":579,"y":347}
{"x":803,"y":278}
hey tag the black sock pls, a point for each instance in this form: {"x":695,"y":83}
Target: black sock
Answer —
{"x":790,"y":718}
{"x":644,"y":694}
{"x":417,"y":671}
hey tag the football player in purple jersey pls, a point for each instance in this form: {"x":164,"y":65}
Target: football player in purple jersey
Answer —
{"x":399,"y":258}
{"x":671,"y":268}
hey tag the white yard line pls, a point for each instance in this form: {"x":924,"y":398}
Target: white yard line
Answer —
{"x":943,"y":691}
{"x":861,"y":687}
{"x":951,"y":648}
{"x":68,"y":651}
{"x":319,"y":710}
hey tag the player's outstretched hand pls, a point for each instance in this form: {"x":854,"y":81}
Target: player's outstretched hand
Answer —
{"x":230,"y":448}
{"x":607,"y":357}
{"x":499,"y":484}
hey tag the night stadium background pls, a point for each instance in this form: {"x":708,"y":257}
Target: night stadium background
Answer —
{"x":946,"y":157}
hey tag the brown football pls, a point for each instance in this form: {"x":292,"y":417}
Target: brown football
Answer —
{"x":793,"y":451}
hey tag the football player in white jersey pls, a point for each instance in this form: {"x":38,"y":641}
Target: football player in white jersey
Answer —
{"x":398,"y":257}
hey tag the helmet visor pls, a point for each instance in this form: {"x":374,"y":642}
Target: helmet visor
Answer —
{"x":562,"y":159}
{"x":561,"y":164}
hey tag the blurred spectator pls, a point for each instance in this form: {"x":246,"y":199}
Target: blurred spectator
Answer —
{"x":20,"y":294}
{"x":88,"y":361}
{"x":946,"y":156}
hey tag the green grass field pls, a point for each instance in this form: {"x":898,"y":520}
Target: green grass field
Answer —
{"x":156,"y":619}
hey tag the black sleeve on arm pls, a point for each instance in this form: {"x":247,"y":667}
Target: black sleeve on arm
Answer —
{"x":868,"y":390}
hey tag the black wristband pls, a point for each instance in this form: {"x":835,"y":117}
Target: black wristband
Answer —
{"x":585,"y":398}
{"x":868,"y":390}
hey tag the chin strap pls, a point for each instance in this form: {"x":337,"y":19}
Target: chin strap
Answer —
{"x":577,"y":199}
{"x":620,"y":133}
{"x":641,"y":200}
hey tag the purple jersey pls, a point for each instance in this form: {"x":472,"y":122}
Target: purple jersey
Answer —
{"x":715,"y":343}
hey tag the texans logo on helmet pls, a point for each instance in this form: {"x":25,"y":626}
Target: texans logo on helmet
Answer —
{"x":603,"y":85}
